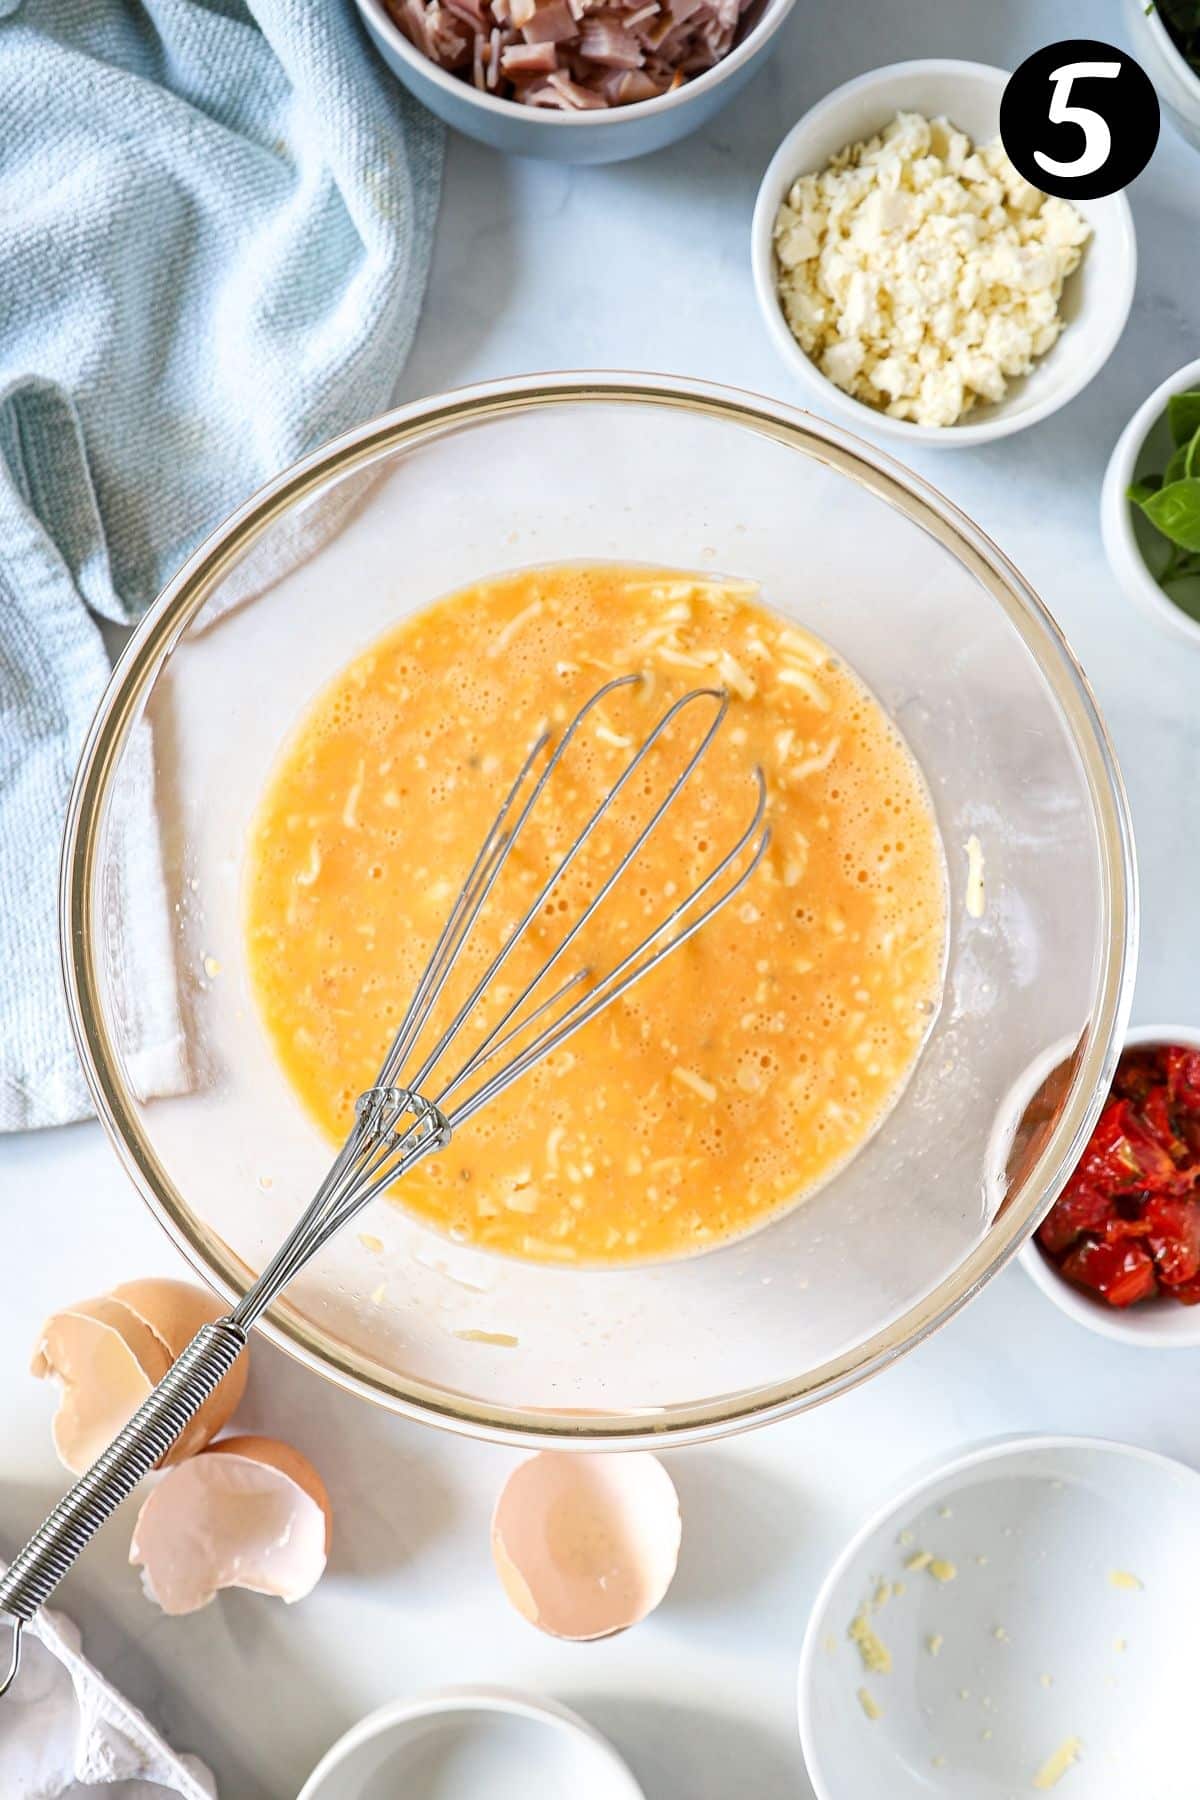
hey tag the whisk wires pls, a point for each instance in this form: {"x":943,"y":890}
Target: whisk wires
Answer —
{"x":397,"y":1122}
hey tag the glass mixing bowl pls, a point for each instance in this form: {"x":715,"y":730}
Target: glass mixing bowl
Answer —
{"x":642,"y":469}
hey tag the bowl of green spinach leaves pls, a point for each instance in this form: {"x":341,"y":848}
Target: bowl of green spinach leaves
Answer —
{"x":1150,"y":505}
{"x":1166,"y":41}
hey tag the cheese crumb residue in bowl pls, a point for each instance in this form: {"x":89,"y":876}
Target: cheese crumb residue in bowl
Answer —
{"x":921,"y":273}
{"x":1057,"y":1765}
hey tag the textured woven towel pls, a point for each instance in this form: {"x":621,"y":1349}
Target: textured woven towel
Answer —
{"x":67,"y":1734}
{"x":215,"y":222}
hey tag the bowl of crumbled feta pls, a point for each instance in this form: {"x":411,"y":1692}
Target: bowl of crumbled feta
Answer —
{"x":912,"y":279}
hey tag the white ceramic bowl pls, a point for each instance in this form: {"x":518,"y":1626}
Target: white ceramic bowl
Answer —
{"x":474,"y":1743}
{"x":577,"y":137}
{"x":1178,"y":86}
{"x":1157,"y":1324}
{"x":1056,"y":1520}
{"x":1096,"y":299}
{"x":1144,"y":445}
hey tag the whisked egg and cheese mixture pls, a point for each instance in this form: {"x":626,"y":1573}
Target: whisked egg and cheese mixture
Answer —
{"x":738,"y":1076}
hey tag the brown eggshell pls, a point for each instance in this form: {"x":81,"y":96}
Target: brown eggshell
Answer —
{"x":174,"y":1311}
{"x":585,"y":1546}
{"x":150,"y":1353}
{"x":110,"y":1351}
{"x":248,"y":1512}
{"x":102,"y":1382}
{"x":289,"y":1462}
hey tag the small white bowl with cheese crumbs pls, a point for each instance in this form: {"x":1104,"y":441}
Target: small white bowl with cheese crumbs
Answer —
{"x":1010,"y":1625}
{"x":914,"y":282}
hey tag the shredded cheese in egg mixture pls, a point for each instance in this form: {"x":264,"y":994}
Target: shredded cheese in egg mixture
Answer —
{"x":921,"y":274}
{"x":735,"y":1078}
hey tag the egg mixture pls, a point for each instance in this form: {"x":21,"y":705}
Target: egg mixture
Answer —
{"x":737,"y":1077}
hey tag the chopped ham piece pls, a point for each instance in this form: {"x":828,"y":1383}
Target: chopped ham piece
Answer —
{"x":529,"y":59}
{"x":582,"y":99}
{"x":601,"y":41}
{"x":473,"y":13}
{"x":655,"y":31}
{"x":552,"y":23}
{"x":442,"y":36}
{"x":572,"y":55}
{"x":540,"y":93}
{"x":621,"y":87}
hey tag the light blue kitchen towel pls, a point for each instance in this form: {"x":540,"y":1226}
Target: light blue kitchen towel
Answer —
{"x":215,"y":226}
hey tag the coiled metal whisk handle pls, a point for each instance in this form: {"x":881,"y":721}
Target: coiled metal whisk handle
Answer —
{"x":37,"y":1570}
{"x":393,"y":1128}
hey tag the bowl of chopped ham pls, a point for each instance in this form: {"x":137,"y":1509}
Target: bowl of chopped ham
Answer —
{"x":580,"y":81}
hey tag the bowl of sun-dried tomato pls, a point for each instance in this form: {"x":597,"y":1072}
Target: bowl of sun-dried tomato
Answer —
{"x":1120,"y":1248}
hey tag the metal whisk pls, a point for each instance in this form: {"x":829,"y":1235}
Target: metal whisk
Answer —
{"x":397,"y":1122}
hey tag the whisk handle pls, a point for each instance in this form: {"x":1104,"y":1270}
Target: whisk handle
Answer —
{"x":36,"y":1570}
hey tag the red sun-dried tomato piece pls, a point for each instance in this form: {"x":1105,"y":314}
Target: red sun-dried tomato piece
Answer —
{"x":1156,"y":1115}
{"x":1118,"y":1228}
{"x":1121,"y":1156}
{"x":1189,"y":1128}
{"x":1122,"y":1273}
{"x":1079,"y":1208}
{"x":1157,"y":1171}
{"x":1174,"y":1239}
{"x":1183,"y":1077}
{"x":1188,"y":1292}
{"x":1137,"y":1072}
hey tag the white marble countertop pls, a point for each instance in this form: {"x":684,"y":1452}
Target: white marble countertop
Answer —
{"x":644,"y":266}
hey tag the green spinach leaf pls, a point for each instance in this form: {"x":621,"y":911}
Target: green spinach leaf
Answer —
{"x":1183,"y":416}
{"x":1176,"y":469}
{"x":1182,"y":20}
{"x":1191,"y":462}
{"x":1170,"y":502}
{"x":1175,"y":511}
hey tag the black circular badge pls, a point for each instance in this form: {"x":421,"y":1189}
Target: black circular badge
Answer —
{"x":1079,"y":119}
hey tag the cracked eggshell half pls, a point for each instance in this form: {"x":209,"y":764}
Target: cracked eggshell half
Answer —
{"x":586,"y":1546}
{"x":249,"y":1512}
{"x":109,"y":1352}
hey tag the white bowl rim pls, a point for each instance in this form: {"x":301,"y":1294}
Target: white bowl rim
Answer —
{"x":510,"y":1702}
{"x":155,"y":636}
{"x":1110,"y":1321}
{"x":979,"y":1455}
{"x":869,"y":418}
{"x":772,"y":16}
{"x":1116,"y":514}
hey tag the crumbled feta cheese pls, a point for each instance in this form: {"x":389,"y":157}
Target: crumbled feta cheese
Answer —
{"x":921,"y":274}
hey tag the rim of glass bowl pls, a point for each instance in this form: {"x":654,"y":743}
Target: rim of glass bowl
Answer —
{"x":407,"y":426}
